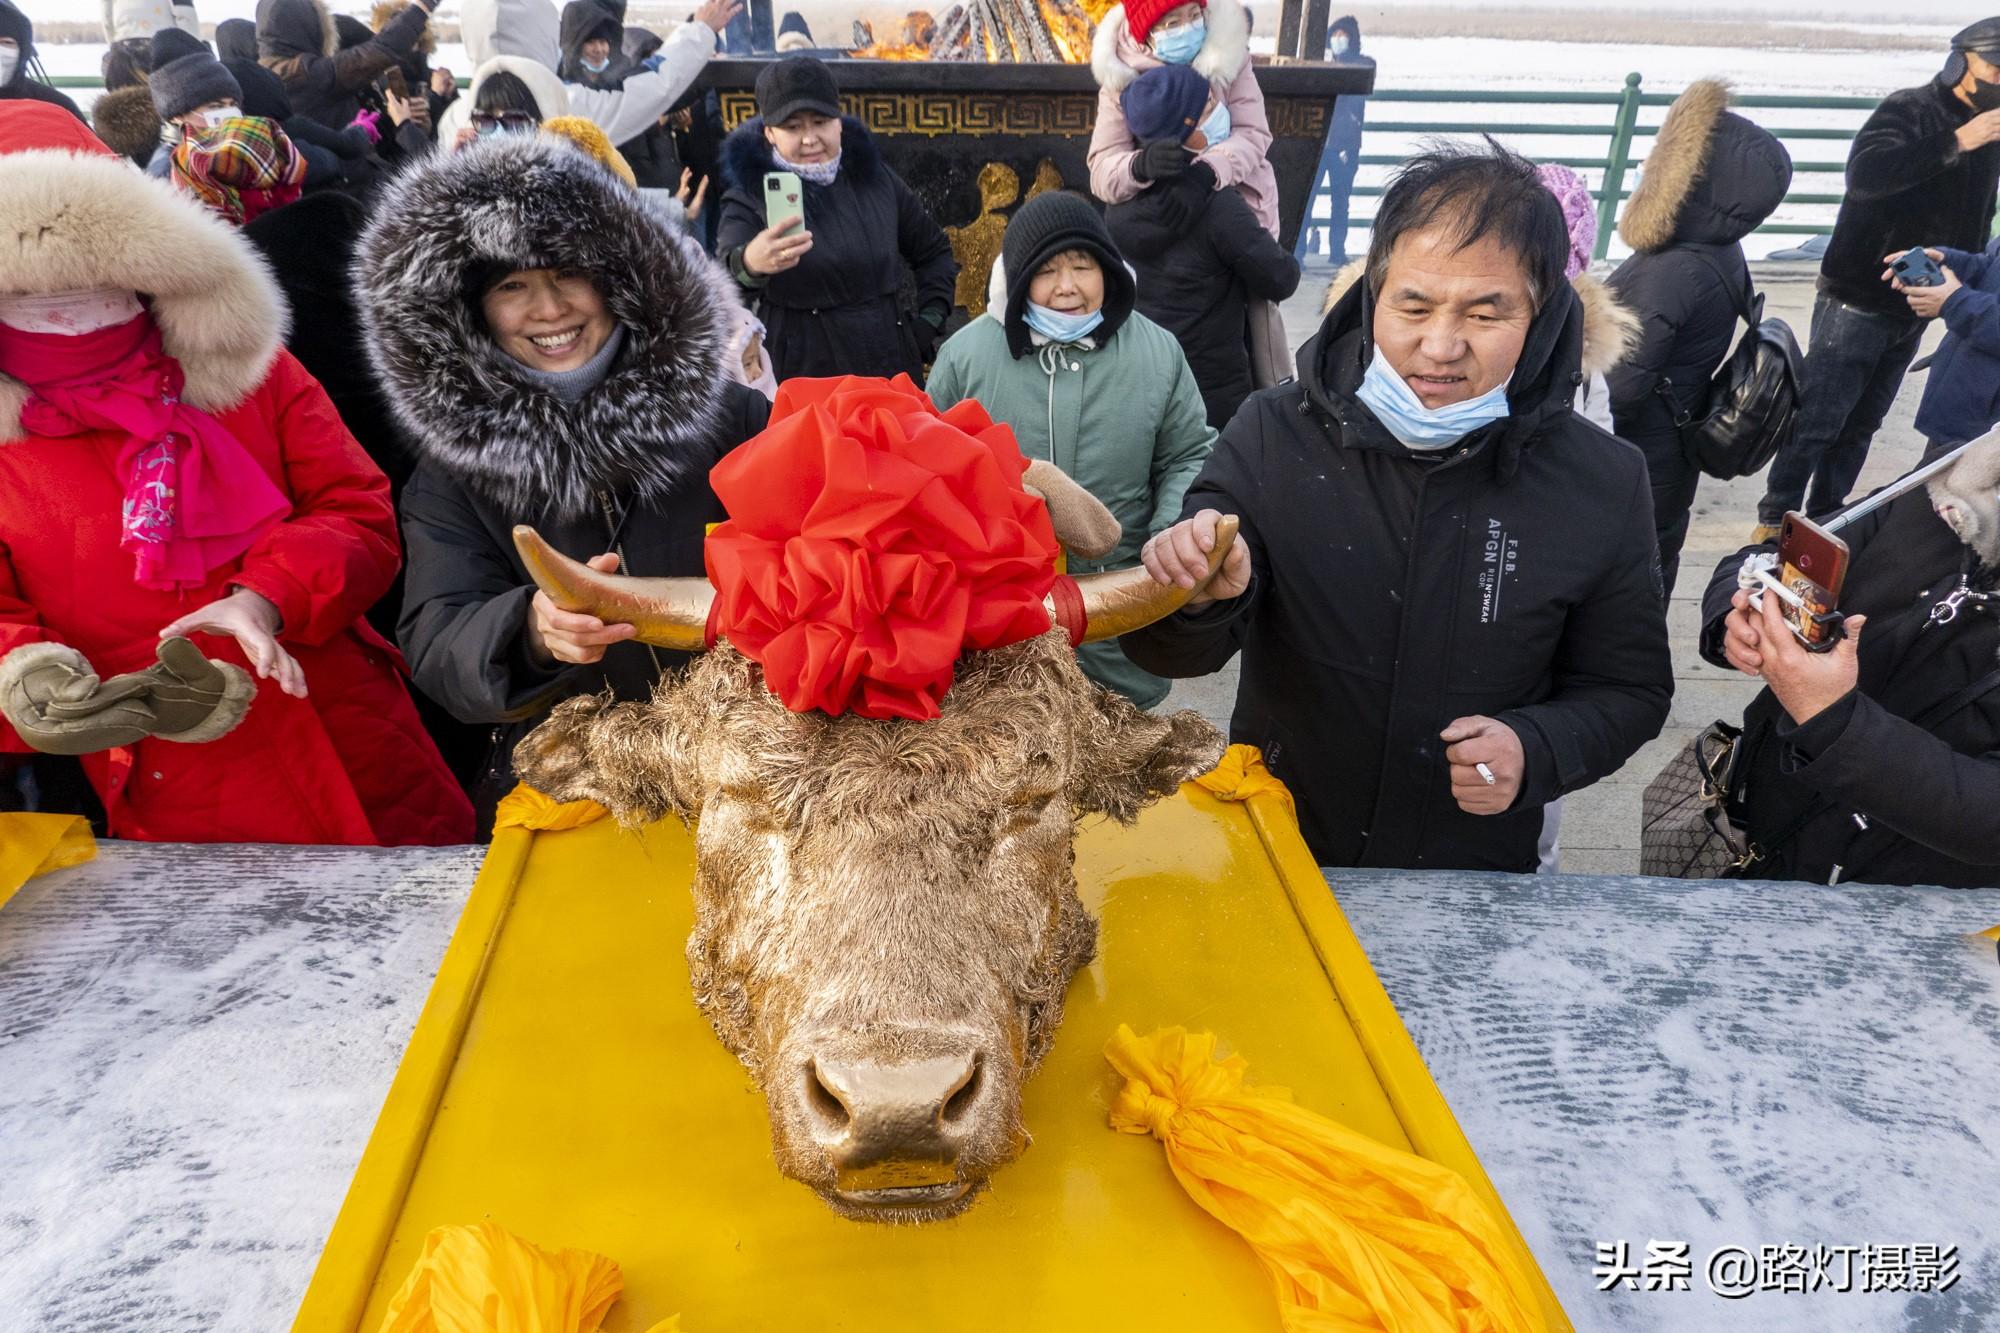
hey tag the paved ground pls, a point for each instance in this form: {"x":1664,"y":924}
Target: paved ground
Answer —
{"x":1600,"y":832}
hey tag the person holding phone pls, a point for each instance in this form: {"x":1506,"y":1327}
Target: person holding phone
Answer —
{"x":827,"y":271}
{"x":1962,"y":392}
{"x":1879,"y":762}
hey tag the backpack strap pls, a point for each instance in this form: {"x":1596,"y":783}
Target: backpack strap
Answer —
{"x":1749,"y":302}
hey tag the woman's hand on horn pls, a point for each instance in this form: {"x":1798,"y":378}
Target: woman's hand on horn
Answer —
{"x":253,"y":621}
{"x":1180,"y":555}
{"x":556,"y":635}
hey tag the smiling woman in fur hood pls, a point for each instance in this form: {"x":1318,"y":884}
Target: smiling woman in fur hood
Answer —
{"x":167,"y":470}
{"x":554,"y":350}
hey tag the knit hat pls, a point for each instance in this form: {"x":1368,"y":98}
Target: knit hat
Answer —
{"x":1044,"y":227}
{"x":593,"y":143}
{"x":1165,"y":103}
{"x":793,"y":34}
{"x":1141,"y":15}
{"x":795,"y":84}
{"x":1579,"y":214}
{"x":186,"y":75}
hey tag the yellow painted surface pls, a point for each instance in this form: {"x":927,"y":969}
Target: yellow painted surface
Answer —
{"x":588,"y":1104}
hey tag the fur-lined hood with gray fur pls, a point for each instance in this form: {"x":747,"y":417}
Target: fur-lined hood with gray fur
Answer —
{"x":533,"y":201}
{"x":1711,"y":176}
{"x":1610,"y":331}
{"x":1117,"y":57}
{"x":84,"y":220}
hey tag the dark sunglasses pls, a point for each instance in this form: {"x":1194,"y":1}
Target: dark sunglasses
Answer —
{"x":493,"y":122}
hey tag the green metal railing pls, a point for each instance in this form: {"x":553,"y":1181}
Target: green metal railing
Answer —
{"x":1621,"y":135}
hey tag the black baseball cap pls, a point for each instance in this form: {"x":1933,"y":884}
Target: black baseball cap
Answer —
{"x":795,"y":84}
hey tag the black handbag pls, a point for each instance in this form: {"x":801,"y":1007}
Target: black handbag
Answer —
{"x":1753,"y":399}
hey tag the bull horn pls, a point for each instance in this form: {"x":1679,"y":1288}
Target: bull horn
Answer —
{"x":669,"y":613}
{"x":1124,"y":600}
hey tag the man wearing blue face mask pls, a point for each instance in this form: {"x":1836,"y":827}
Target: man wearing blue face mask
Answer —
{"x":1446,"y":592}
{"x":1086,"y":382}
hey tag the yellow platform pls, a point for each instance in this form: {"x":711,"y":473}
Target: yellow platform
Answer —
{"x":562,"y":1083}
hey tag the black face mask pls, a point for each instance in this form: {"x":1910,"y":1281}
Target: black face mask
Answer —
{"x":1984,"y":96}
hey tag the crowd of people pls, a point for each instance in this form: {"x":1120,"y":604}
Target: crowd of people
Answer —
{"x":298,"y":331}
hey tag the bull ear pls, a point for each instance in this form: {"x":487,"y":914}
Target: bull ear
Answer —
{"x":624,"y":756}
{"x":1125,"y":759}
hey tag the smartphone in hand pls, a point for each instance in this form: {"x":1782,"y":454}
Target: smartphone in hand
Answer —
{"x":1917,"y":269}
{"x":1812,"y":566}
{"x":784,"y":198}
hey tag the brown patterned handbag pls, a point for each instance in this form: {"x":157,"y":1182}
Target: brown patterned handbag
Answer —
{"x":1685,"y":830}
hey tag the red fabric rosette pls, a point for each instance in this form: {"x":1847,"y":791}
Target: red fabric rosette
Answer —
{"x":871,"y":539}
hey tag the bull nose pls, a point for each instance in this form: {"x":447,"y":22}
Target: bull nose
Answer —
{"x":894,"y":1126}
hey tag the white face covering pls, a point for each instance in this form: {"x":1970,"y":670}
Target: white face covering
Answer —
{"x":70,"y":312}
{"x":10,"y":59}
{"x":216,"y":115}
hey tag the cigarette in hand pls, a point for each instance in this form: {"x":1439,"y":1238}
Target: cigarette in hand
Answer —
{"x":1485,"y":774}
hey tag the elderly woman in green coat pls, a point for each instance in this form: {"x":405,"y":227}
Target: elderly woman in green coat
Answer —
{"x":1086,"y":382}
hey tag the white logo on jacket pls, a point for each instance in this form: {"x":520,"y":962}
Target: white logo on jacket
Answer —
{"x":1500,"y":552}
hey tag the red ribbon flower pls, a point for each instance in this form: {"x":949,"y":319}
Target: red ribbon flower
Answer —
{"x":871,"y":539}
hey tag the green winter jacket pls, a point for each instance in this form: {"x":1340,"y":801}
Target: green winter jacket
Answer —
{"x":1124,"y":420}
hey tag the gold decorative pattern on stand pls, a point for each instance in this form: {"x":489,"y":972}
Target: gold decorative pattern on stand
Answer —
{"x":1296,"y":117}
{"x":1024,"y":114}
{"x":977,"y":244}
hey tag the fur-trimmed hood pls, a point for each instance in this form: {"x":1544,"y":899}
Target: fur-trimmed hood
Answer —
{"x":288,"y":29}
{"x":533,"y":201}
{"x":127,"y":122}
{"x":1116,"y":58}
{"x":385,"y":10}
{"x":1610,"y":329}
{"x":551,"y":98}
{"x":746,"y":156}
{"x":1710,"y":177}
{"x":85,"y":220}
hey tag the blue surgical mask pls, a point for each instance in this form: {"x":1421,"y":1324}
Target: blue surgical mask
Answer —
{"x":1214,"y":126}
{"x":598,"y":66}
{"x":1403,"y":414}
{"x":1059,"y":326}
{"x":1340,"y":44}
{"x":1180,"y":45}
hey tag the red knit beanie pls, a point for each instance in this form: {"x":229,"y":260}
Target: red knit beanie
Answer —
{"x":1141,"y":15}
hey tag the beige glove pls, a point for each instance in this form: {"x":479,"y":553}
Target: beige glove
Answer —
{"x":58,"y":705}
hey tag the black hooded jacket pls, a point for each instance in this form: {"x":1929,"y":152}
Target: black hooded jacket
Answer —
{"x":1874,"y":787}
{"x":838,"y":312}
{"x":654,"y":160}
{"x":1908,"y":183}
{"x":625,"y":467}
{"x":15,"y":24}
{"x":1196,"y":279}
{"x":295,"y":41}
{"x":1514,"y":576}
{"x":1711,"y":179}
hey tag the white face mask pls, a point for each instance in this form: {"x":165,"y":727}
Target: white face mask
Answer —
{"x":71,"y":312}
{"x":216,"y":115}
{"x":10,"y":59}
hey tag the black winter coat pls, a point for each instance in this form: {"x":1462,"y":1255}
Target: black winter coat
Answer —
{"x":15,"y":24}
{"x":1926,"y":796}
{"x":1195,"y":279}
{"x":466,"y":593}
{"x":1513,"y":576}
{"x":325,"y":82}
{"x":1908,"y":184}
{"x":1689,"y":278}
{"x":839,"y":312}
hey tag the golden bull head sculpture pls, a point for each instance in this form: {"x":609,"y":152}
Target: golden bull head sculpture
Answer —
{"x":886,"y":911}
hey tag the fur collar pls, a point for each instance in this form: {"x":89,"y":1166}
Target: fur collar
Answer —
{"x":1117,"y":59}
{"x":85,"y":220}
{"x":1610,"y":330}
{"x":532,"y":201}
{"x":1673,"y":164}
{"x":746,"y":156}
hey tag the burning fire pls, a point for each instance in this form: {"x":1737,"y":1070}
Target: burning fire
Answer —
{"x":1011,"y":31}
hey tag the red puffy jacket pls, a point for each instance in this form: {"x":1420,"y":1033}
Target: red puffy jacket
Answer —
{"x":350,"y":763}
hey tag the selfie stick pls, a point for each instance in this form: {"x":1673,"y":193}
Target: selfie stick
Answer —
{"x":1896,"y":489}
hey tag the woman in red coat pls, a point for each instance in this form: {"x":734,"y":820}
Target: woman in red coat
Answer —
{"x":167,"y":469}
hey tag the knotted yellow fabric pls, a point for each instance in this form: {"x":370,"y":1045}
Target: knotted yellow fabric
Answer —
{"x":32,"y":845}
{"x":1241,"y":775}
{"x":1355,"y":1235}
{"x":524,"y":807}
{"x":486,"y":1279}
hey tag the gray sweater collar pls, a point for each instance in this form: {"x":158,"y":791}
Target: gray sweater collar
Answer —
{"x":572,"y":385}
